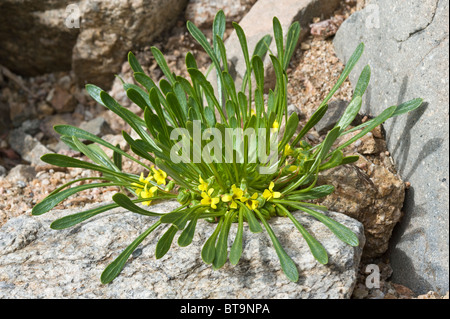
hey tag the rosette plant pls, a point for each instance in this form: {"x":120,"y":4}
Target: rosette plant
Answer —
{"x":198,"y":145}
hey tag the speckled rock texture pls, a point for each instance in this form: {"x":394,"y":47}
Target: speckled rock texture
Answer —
{"x":37,"y":262}
{"x":407,"y":49}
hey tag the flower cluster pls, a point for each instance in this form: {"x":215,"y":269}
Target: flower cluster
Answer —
{"x":146,"y":188}
{"x":236,"y":196}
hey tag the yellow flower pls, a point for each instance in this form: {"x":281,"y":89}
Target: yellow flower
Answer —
{"x":288,"y":150}
{"x":269,"y":193}
{"x":139,"y":187}
{"x":275,"y":125}
{"x":253,"y":202}
{"x":237,"y":194}
{"x":292,"y":168}
{"x":148,"y":193}
{"x":208,"y":200}
{"x":203,"y":185}
{"x":159,"y":176}
{"x":253,"y":112}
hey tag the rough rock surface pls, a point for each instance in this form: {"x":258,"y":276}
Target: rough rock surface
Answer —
{"x":37,"y":262}
{"x":373,"y":195}
{"x":407,"y":48}
{"x":202,"y":12}
{"x":258,"y":23}
{"x":91,"y":37}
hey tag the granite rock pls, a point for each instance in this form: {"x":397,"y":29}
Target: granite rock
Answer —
{"x":407,"y":49}
{"x":38,"y":262}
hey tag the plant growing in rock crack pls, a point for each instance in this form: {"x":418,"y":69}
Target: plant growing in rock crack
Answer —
{"x":200,"y":149}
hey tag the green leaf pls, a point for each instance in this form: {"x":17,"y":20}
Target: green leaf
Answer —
{"x":159,"y":57}
{"x":137,"y":98}
{"x":341,"y":231}
{"x":287,"y":264}
{"x":134,"y":63}
{"x":328,"y":142}
{"x":318,"y":251}
{"x":218,"y":29}
{"x":51,"y":201}
{"x":74,"y":219}
{"x":117,"y":265}
{"x":222,"y":243}
{"x":236,"y":248}
{"x":253,"y":224}
{"x":313,"y":120}
{"x":335,"y":160}
{"x":187,"y":235}
{"x":314,"y":193}
{"x":117,"y":158}
{"x":164,"y":243}
{"x":124,"y":201}
{"x":258,"y":69}
{"x":291,"y":127}
{"x":209,"y":248}
{"x":70,"y":130}
{"x":278,"y":35}
{"x":350,"y":113}
{"x":291,"y":43}
{"x":386,"y":114}
{"x":363,"y":82}
{"x":350,"y":159}
{"x":345,"y":73}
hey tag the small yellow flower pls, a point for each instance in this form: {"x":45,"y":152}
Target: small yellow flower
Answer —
{"x":208,"y":200}
{"x":139,"y":187}
{"x":148,"y":193}
{"x":237,"y":194}
{"x":288,"y":150}
{"x":275,"y":125}
{"x":203,"y":185}
{"x":253,"y":112}
{"x":292,"y":168}
{"x":159,"y":176}
{"x":269,"y":193}
{"x":253,"y":202}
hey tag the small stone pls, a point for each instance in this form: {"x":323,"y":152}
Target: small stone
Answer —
{"x":21,"y":184}
{"x":21,"y":173}
{"x":97,"y":126}
{"x":62,"y":101}
{"x":44,"y":109}
{"x":2,"y":171}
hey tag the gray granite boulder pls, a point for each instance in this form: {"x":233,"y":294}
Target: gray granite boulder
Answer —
{"x":407,"y":49}
{"x":38,"y":262}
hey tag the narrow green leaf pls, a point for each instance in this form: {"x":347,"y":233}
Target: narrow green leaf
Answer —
{"x":164,"y":243}
{"x":159,"y":57}
{"x":287,"y":264}
{"x":117,"y":265}
{"x":125,"y":202}
{"x":236,"y":248}
{"x":350,"y":113}
{"x":278,"y":35}
{"x":222,"y":243}
{"x":363,"y":82}
{"x":74,"y":219}
{"x":341,"y":231}
{"x":187,"y":235}
{"x":51,"y":201}
{"x":345,"y":73}
{"x":292,"y":38}
{"x":209,"y":248}
{"x":134,"y":63}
